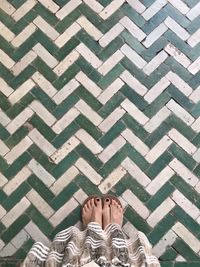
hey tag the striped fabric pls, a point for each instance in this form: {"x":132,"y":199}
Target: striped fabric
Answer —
{"x":109,"y":247}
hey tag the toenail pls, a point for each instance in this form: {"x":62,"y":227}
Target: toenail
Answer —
{"x":98,"y":199}
{"x":107,"y":199}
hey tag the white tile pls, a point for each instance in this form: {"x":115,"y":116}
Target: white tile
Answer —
{"x":156,"y":90}
{"x":6,"y":60}
{"x":68,"y":8}
{"x":7,"y":7}
{"x":110,"y":91}
{"x":67,"y":90}
{"x":112,"y":179}
{"x":8,"y":250}
{"x":87,"y":111}
{"x":194,"y":12}
{"x":21,"y":91}
{"x":195,"y":95}
{"x":136,"y":204}
{"x":182,"y":141}
{"x":183,"y":172}
{"x":88,"y":171}
{"x":158,"y":149}
{"x":186,"y":204}
{"x":20,"y":239}
{"x":3,"y":148}
{"x":45,"y":55}
{"x":89,"y":141}
{"x":36,"y":234}
{"x":133,"y":56}
{"x":111,"y":9}
{"x":46,"y":28}
{"x":137,"y":5}
{"x":179,"y":83}
{"x":180,"y":112}
{"x":42,"y":112}
{"x":111,"y":119}
{"x":176,"y":28}
{"x":195,"y":66}
{"x":91,"y":86}
{"x":65,"y":121}
{"x":40,"y":204}
{"x":19,"y":120}
{"x":63,"y":212}
{"x":155,"y":35}
{"x":196,"y":125}
{"x":4,"y":119}
{"x":15,"y":212}
{"x":17,"y":180}
{"x":166,"y":241}
{"x":2,"y":212}
{"x":68,"y":34}
{"x":159,"y":181}
{"x":132,"y":82}
{"x":112,"y":149}
{"x":41,"y":173}
{"x":111,"y":62}
{"x":187,"y":236}
{"x":24,"y":35}
{"x":66,"y":63}
{"x":18,"y":150}
{"x":136,"y":172}
{"x":153,"y":9}
{"x":3,"y":180}
{"x":180,"y":5}
{"x":135,"y":142}
{"x":65,"y":149}
{"x":80,"y":196}
{"x":64,"y":180}
{"x":6,"y":33}
{"x":155,"y":62}
{"x":94,"y":5}
{"x":44,"y":84}
{"x":42,"y":142}
{"x":196,"y":156}
{"x":160,"y":212}
{"x":157,"y":119}
{"x":89,"y":28}
{"x":178,"y":55}
{"x":89,"y":55}
{"x":111,"y":34}
{"x":5,"y":88}
{"x":23,"y":9}
{"x":138,"y":115}
{"x":23,"y":63}
{"x":132,"y":28}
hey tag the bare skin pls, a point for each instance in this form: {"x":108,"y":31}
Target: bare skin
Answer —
{"x":112,"y":212}
{"x":92,"y":211}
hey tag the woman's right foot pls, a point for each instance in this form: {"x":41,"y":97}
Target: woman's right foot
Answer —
{"x":116,"y":212}
{"x":112,"y":212}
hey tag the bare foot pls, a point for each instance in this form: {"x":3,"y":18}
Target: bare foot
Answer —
{"x":116,"y":212}
{"x":92,"y":211}
{"x":106,"y":212}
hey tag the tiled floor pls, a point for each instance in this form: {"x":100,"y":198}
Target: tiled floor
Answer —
{"x":96,"y":97}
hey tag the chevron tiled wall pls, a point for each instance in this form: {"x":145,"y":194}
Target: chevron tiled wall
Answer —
{"x":96,"y":97}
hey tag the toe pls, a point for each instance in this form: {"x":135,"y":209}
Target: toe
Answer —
{"x":98,"y":202}
{"x":107,"y":202}
{"x":92,"y":203}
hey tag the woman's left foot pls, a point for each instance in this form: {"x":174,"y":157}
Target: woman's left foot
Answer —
{"x":92,"y":211}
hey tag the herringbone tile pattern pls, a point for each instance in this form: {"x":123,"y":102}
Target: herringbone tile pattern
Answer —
{"x":96,"y":97}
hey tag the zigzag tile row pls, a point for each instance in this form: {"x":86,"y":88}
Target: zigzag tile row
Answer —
{"x":164,"y":198}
